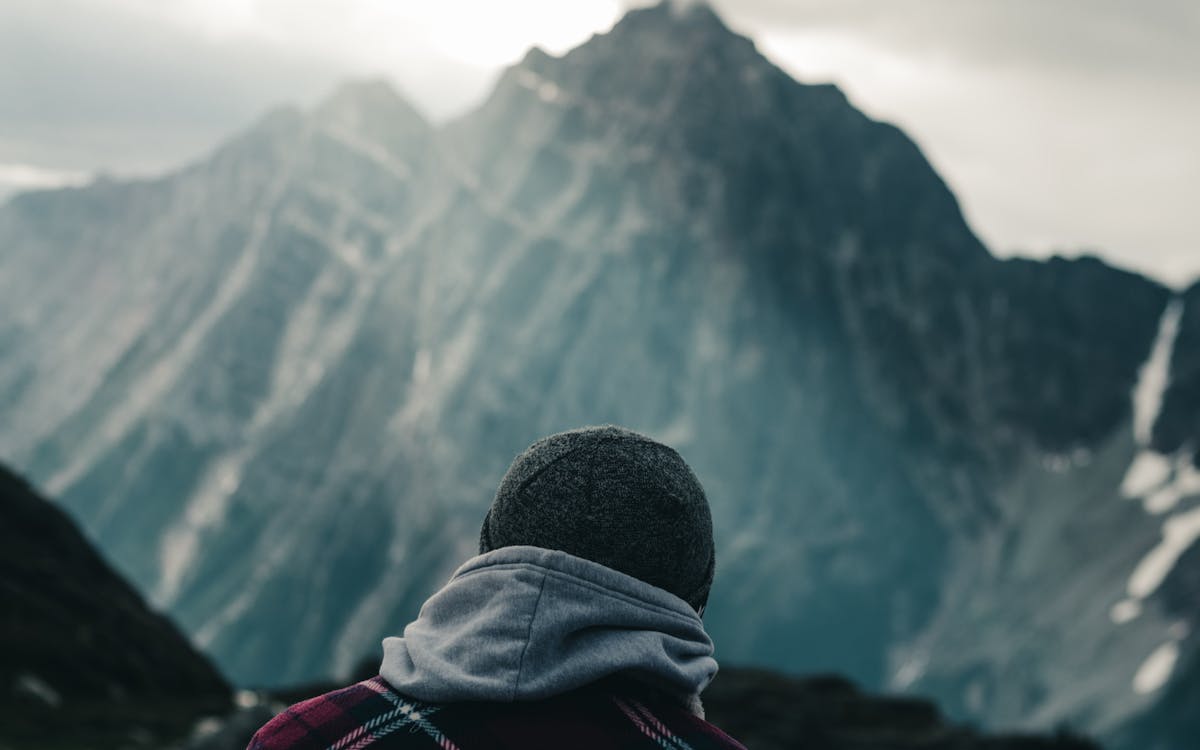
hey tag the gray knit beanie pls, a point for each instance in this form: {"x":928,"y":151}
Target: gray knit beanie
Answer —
{"x":614,"y":497}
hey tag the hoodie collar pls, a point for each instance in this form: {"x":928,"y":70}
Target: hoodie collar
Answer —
{"x":526,"y":623}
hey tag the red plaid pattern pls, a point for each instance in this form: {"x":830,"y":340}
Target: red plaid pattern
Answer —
{"x":605,"y":715}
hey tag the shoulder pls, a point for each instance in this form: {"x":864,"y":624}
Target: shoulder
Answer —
{"x":665,"y":723}
{"x":328,"y":719}
{"x":371,"y":712}
{"x":628,"y":714}
{"x":713,"y":736}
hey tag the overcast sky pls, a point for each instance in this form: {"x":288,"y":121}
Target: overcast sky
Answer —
{"x":1062,"y":125}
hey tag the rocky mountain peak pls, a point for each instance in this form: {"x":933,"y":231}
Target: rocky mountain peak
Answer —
{"x":673,"y":17}
{"x":372,"y":108}
{"x":689,"y":38}
{"x":652,"y":56}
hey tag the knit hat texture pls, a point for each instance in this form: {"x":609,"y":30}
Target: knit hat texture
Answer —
{"x":614,"y":497}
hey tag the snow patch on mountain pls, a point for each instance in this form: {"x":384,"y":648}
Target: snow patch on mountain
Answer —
{"x":1156,"y":670}
{"x":1148,"y":471}
{"x":1184,"y":482}
{"x":204,"y":512}
{"x":1154,"y":375}
{"x":1162,"y":482}
{"x":1125,"y":611}
{"x":1179,"y":532}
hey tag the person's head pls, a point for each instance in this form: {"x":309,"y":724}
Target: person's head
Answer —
{"x":614,"y":497}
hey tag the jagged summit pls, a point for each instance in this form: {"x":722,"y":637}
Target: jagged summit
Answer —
{"x":372,"y":109}
{"x":366,"y":114}
{"x":675,"y":14}
{"x":746,"y":138}
{"x":687,"y":37}
{"x":683,"y":33}
{"x":369,"y":98}
{"x":536,"y":59}
{"x":667,"y":27}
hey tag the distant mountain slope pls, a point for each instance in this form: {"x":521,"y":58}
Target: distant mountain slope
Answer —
{"x":280,"y":385}
{"x":83,"y":661}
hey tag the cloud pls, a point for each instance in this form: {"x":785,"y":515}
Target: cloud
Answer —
{"x":20,"y":177}
{"x":142,"y":85}
{"x":1061,"y":125}
{"x":85,"y":87}
{"x":1153,"y":36}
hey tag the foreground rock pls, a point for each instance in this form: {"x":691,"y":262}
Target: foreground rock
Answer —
{"x":768,"y":711}
{"x":83,"y":661}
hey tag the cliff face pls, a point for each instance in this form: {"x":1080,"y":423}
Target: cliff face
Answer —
{"x":279,"y":386}
{"x":83,"y":660}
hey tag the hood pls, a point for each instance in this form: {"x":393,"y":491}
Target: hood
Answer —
{"x":525,"y":623}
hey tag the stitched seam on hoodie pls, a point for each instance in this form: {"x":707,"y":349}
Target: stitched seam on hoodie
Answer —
{"x":528,"y":637}
{"x":597,"y":587}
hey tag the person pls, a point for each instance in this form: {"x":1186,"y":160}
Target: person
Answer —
{"x":579,"y":623}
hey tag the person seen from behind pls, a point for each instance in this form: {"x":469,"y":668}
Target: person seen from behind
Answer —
{"x":578,"y":625}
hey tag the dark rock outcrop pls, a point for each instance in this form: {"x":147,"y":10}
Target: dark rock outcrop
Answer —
{"x":83,"y":661}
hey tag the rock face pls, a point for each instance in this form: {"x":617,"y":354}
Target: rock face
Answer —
{"x":83,"y":661}
{"x":280,"y":386}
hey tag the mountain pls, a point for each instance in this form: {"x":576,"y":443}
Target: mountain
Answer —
{"x":280,"y":385}
{"x":83,"y":661}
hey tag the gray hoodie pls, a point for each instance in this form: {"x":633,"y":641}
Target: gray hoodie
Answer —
{"x":525,"y":623}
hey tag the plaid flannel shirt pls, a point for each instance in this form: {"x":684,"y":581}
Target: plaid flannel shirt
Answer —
{"x":606,"y":715}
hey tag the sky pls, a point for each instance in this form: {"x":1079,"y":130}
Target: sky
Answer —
{"x":1063,"y":126}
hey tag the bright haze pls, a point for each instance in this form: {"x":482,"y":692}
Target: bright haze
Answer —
{"x":1063,"y":127}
